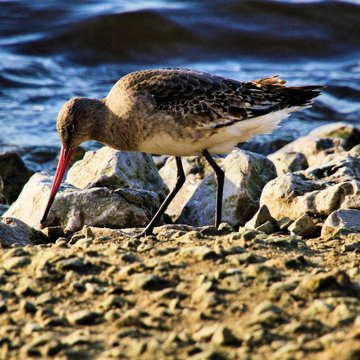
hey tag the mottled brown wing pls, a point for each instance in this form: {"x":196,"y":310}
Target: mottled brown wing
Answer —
{"x":206,"y":101}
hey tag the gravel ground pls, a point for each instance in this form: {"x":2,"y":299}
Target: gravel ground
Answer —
{"x":185,"y":294}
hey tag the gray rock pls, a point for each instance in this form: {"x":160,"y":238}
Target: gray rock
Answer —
{"x":341,"y":130}
{"x":286,"y":162}
{"x":341,"y":223}
{"x":266,"y":228}
{"x":261,"y":217}
{"x":303,"y":226}
{"x":114,"y":169}
{"x":14,"y":231}
{"x":326,"y":140}
{"x":245,"y":175}
{"x":14,"y":175}
{"x":72,"y":208}
{"x":317,"y":191}
{"x":195,"y":168}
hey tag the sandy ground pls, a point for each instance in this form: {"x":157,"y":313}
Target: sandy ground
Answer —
{"x":184,"y":294}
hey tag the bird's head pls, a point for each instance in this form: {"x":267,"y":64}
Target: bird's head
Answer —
{"x":75,"y":124}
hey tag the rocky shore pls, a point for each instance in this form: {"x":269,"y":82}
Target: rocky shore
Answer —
{"x":280,"y":278}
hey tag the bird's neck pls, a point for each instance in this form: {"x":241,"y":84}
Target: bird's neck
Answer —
{"x":112,"y":129}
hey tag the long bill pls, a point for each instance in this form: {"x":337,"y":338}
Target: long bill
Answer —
{"x":64,"y":160}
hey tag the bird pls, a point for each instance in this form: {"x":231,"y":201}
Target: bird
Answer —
{"x":177,"y":112}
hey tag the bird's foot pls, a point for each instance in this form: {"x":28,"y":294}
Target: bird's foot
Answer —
{"x":144,"y":233}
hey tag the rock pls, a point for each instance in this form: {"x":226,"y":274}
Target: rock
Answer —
{"x":303,"y":226}
{"x":195,"y":169}
{"x":83,"y":317}
{"x":266,"y":228}
{"x":261,"y":217}
{"x":199,"y":253}
{"x":72,"y":208}
{"x":148,"y":282}
{"x":16,"y":262}
{"x":14,"y":231}
{"x":14,"y":175}
{"x":317,"y":191}
{"x":224,"y":336}
{"x":286,"y":162}
{"x":114,"y":169}
{"x":341,"y":223}
{"x":326,"y":140}
{"x":341,"y":130}
{"x":246,"y":174}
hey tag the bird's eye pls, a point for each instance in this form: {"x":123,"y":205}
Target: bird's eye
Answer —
{"x":70,"y":128}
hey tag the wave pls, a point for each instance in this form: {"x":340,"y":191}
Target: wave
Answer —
{"x":256,"y":28}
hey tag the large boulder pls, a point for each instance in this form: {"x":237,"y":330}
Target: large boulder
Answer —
{"x":317,"y":191}
{"x":74,"y":208}
{"x":323,"y":141}
{"x":246,"y":174}
{"x":14,"y":175}
{"x":196,"y":168}
{"x":114,"y":169}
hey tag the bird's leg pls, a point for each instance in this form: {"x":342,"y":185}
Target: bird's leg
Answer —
{"x":220,"y":185}
{"x":180,"y":179}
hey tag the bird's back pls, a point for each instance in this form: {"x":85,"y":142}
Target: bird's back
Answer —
{"x":216,"y":108}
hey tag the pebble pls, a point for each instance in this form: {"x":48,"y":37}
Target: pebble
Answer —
{"x":266,"y":228}
{"x":83,"y":317}
{"x":148,"y":282}
{"x":303,"y":226}
{"x":199,"y":253}
{"x":16,"y":262}
{"x":224,"y":336}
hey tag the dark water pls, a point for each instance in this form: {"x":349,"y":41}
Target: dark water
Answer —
{"x":53,"y":50}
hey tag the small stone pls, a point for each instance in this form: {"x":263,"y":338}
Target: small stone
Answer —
{"x":279,"y":288}
{"x":303,"y":226}
{"x":284,"y":223}
{"x":148,"y":282}
{"x":83,"y":317}
{"x":199,"y":252}
{"x":205,"y":333}
{"x":16,"y":262}
{"x":224,"y":336}
{"x":28,"y":307}
{"x":261,"y":217}
{"x":266,"y":228}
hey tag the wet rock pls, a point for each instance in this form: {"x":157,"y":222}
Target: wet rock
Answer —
{"x":318,"y":191}
{"x":114,"y":169}
{"x":286,"y":162}
{"x":341,"y":224}
{"x":14,"y":231}
{"x":72,"y":208}
{"x":195,"y":169}
{"x":246,"y":174}
{"x":14,"y":175}
{"x":303,"y":226}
